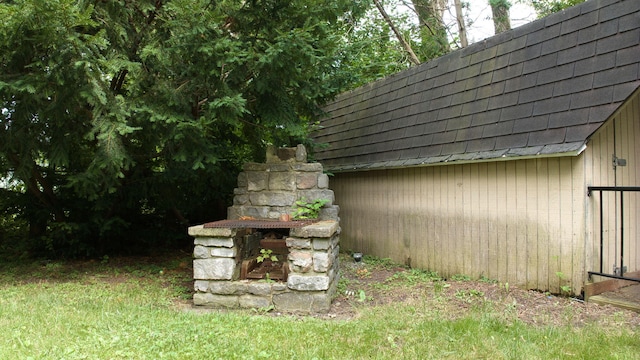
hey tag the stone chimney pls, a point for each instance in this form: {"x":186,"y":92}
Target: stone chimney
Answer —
{"x":266,"y":191}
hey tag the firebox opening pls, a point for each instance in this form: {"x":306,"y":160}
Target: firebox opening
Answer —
{"x":265,"y":255}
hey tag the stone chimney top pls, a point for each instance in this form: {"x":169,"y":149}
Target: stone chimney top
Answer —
{"x":296,"y":154}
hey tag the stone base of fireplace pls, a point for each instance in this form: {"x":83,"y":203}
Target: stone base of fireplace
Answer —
{"x":312,"y":263}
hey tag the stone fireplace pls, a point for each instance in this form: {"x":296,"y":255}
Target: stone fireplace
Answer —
{"x":232,"y":264}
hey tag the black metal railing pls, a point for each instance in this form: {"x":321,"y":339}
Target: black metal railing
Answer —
{"x":621,"y":190}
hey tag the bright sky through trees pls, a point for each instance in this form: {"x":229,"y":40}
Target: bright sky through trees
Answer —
{"x":479,"y":12}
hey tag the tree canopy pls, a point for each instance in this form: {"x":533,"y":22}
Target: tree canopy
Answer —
{"x":122,"y":119}
{"x":548,"y":7}
{"x":121,"y":122}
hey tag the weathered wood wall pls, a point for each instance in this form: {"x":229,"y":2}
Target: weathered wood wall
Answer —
{"x":525,"y":222}
{"x":514,"y":221}
{"x":619,"y":136}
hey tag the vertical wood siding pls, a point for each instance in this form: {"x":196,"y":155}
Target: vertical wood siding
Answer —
{"x":620,"y":136}
{"x":513,"y":221}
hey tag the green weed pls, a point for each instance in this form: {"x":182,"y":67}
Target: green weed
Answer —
{"x":566,"y":288}
{"x":343,"y":283}
{"x":469,"y":295}
{"x":439,"y":286}
{"x":362,"y":296}
{"x":460,"y":277}
{"x":414,"y":276}
{"x":384,"y":263}
{"x":486,"y":280}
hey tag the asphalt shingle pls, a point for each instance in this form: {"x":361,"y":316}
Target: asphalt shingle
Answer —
{"x":528,"y":124}
{"x":535,"y":93}
{"x":474,"y":107}
{"x":601,"y":30}
{"x":622,"y":40}
{"x":575,"y":84}
{"x":469,"y":133}
{"x":543,"y":34}
{"x":622,"y":91}
{"x":592,"y":97}
{"x":577,"y":23}
{"x":594,"y":64}
{"x":527,"y":53}
{"x":544,"y":62}
{"x":553,"y":105}
{"x":609,"y":77}
{"x":577,"y":133}
{"x":545,"y":137}
{"x":486,"y":117}
{"x":514,"y":141}
{"x":568,"y":118}
{"x":516,"y":112}
{"x":628,"y":22}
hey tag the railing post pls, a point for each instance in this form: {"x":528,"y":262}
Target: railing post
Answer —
{"x":621,"y":232}
{"x":601,"y":235}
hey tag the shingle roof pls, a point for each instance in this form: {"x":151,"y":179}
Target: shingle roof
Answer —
{"x":542,"y":88}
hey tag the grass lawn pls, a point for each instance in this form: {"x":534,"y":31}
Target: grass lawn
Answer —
{"x":136,"y":309}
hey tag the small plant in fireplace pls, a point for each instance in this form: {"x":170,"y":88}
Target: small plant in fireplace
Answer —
{"x":306,"y":210}
{"x":266,"y":254}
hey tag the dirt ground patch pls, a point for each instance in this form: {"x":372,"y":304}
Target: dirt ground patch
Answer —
{"x":377,"y":282}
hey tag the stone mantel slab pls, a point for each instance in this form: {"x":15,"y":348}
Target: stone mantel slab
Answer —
{"x":320,"y":229}
{"x":201,"y":231}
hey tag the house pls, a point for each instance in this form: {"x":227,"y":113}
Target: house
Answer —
{"x":480,"y":162}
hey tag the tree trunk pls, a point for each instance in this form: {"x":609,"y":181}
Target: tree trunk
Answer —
{"x":38,"y":186}
{"x":462,"y":28}
{"x":407,"y":47}
{"x":500,"y":12}
{"x":435,"y":41}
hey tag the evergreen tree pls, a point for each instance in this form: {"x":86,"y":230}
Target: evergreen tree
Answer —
{"x":121,"y":120}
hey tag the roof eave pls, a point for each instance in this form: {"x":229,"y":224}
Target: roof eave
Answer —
{"x":548,"y":151}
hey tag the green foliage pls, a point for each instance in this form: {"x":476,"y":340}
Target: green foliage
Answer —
{"x":415,"y":276}
{"x":548,"y":7}
{"x":434,"y":41}
{"x":486,"y":280}
{"x":460,"y":277}
{"x":500,"y":3}
{"x":263,"y":310}
{"x":500,"y":15}
{"x":343,"y":283}
{"x":123,"y":122}
{"x":374,"y":261}
{"x":308,"y":209}
{"x":266,"y":254}
{"x":371,"y":50}
{"x":505,"y":287}
{"x":12,"y":228}
{"x":439,"y":286}
{"x":566,"y":288}
{"x":469,"y":296}
{"x":362,"y":296}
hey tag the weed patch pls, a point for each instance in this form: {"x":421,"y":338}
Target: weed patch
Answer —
{"x":414,"y":276}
